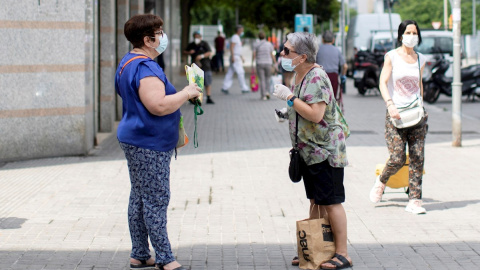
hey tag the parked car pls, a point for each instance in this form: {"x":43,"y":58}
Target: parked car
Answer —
{"x":436,"y":42}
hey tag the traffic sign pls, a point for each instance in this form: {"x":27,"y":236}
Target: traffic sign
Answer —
{"x":304,"y":23}
{"x":436,"y":25}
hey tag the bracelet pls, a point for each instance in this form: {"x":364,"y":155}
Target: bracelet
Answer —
{"x":389,"y":105}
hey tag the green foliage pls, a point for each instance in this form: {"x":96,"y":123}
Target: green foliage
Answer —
{"x":427,"y":11}
{"x":269,"y":13}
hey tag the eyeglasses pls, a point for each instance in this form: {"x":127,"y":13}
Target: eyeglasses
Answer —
{"x":287,"y":51}
{"x":158,"y":33}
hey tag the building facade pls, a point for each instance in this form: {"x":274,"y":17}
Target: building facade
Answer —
{"x":57,"y":68}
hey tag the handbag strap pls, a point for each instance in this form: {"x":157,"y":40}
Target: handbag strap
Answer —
{"x":131,"y":59}
{"x":419,"y":73}
{"x":296,"y":113}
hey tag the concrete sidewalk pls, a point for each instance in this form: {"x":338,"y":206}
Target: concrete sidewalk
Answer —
{"x":233,"y":205}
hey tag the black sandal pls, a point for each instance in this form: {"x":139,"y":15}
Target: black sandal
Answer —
{"x":142,"y":265}
{"x":342,"y":259}
{"x":295,"y":261}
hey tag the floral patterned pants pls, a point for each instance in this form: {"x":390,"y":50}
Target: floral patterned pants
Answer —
{"x":397,"y":139}
{"x":149,"y":198}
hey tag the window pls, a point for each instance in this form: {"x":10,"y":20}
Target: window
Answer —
{"x":432,"y":45}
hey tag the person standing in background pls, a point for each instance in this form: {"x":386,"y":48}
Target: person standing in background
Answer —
{"x":219,"y":48}
{"x":236,"y":63}
{"x":263,"y":54}
{"x":331,"y":59}
{"x":200,"y":52}
{"x":286,"y":75}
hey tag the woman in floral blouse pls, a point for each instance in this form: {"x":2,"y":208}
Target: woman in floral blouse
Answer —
{"x":321,"y":138}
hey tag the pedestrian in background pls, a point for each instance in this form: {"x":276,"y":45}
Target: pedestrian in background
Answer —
{"x":331,"y":59}
{"x":200,"y":52}
{"x":286,"y":75}
{"x":219,"y":49}
{"x":321,"y":139}
{"x":148,"y":134}
{"x":400,"y":85}
{"x":263,"y":56}
{"x":236,"y":63}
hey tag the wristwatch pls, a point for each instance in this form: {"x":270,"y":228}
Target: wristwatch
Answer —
{"x":290,"y":101}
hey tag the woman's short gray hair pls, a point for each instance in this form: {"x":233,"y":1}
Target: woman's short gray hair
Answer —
{"x":304,"y":43}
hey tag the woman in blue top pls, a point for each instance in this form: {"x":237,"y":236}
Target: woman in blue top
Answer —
{"x":148,"y":134}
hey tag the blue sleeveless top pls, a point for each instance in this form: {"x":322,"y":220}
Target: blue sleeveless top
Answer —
{"x":138,"y":126}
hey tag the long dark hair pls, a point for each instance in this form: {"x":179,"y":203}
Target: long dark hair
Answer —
{"x":403,"y":26}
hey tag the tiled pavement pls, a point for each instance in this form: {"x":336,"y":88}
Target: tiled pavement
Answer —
{"x":232,"y":204}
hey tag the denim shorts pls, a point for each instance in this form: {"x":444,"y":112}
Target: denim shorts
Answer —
{"x":208,"y":78}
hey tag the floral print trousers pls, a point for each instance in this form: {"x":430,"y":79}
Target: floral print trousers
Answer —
{"x":397,"y":139}
{"x":149,"y":198}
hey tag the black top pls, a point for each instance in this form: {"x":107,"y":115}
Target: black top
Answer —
{"x":200,"y":48}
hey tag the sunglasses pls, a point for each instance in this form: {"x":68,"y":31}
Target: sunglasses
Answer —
{"x":287,"y":51}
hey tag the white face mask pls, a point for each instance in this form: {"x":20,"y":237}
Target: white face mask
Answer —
{"x":162,"y":46}
{"x":197,"y":40}
{"x":410,"y":41}
{"x":287,"y":64}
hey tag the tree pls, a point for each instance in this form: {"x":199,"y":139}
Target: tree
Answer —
{"x":271,"y":13}
{"x":426,"y":11}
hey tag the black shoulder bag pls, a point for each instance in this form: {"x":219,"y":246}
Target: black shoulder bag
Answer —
{"x":294,"y":170}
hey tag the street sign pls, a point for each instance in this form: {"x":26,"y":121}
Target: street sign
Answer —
{"x":304,"y":22}
{"x":436,"y":25}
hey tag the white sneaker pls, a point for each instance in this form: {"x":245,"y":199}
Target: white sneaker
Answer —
{"x":377,"y":191}
{"x":415,"y":207}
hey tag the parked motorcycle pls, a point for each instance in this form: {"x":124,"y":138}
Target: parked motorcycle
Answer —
{"x":438,"y":83}
{"x":367,"y":70}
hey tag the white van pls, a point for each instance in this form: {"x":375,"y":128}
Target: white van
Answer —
{"x":361,"y":28}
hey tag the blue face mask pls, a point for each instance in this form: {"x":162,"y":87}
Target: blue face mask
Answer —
{"x":287,"y":64}
{"x":163,"y":44}
{"x":241,"y":34}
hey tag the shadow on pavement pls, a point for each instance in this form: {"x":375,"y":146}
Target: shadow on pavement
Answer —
{"x":248,"y":256}
{"x":7,"y":223}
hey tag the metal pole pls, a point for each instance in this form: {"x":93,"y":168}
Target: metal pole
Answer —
{"x":236,"y":12}
{"x":474,"y":19}
{"x":348,"y":14}
{"x":474,"y":27}
{"x":342,"y":27}
{"x":457,"y":84}
{"x":390,"y":19}
{"x":304,"y":7}
{"x":445,"y":15}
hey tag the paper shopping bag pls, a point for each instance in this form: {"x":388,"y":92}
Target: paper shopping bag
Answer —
{"x":315,"y":242}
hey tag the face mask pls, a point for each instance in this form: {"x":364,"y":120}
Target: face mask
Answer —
{"x":287,"y":64}
{"x":163,"y":44}
{"x":197,"y":41}
{"x":241,"y":34}
{"x":410,"y":41}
